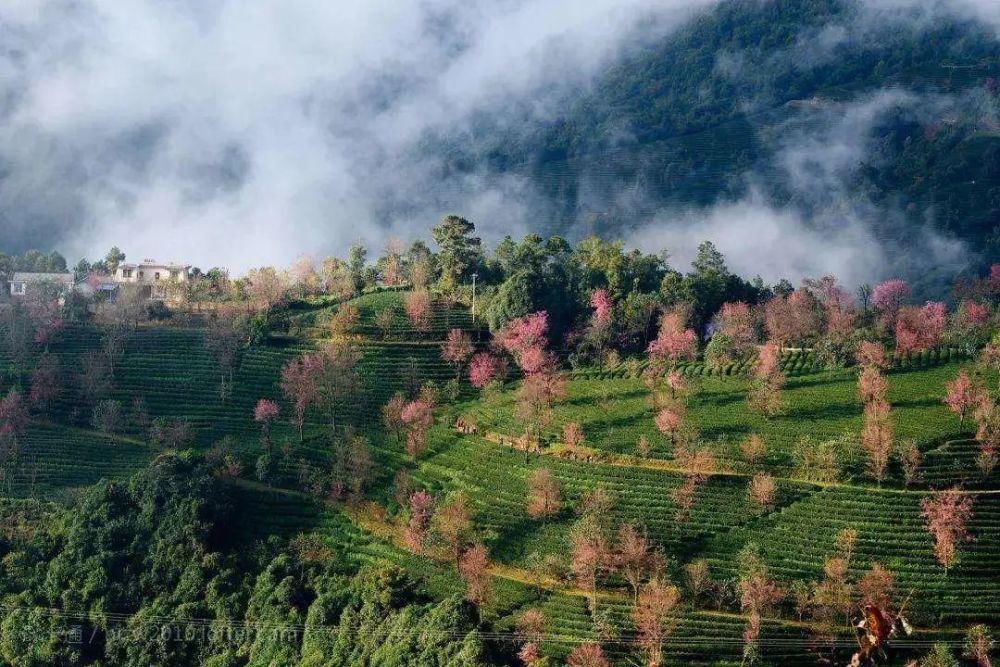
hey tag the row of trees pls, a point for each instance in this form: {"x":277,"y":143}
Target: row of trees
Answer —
{"x":551,"y":275}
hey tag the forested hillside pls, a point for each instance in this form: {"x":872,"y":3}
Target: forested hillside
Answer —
{"x":719,"y":108}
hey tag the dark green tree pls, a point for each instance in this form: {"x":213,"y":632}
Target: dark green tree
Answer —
{"x":459,"y":249}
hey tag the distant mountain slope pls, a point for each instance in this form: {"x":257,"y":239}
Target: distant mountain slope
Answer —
{"x":820,"y":105}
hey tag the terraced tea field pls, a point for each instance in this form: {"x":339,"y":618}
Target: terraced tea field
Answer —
{"x":177,"y":378}
{"x":615,"y":412}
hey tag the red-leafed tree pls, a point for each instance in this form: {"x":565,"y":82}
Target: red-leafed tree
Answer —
{"x":392,"y":414}
{"x":457,"y":349}
{"x":761,"y":491}
{"x":871,"y":354}
{"x":264,"y":413}
{"x":538,"y":393}
{"x":94,"y":378}
{"x":871,"y":385}
{"x":635,"y":557}
{"x":46,"y":319}
{"x":754,"y":448}
{"x":794,"y":318}
{"x":677,"y":385}
{"x":947,"y":515}
{"x":588,"y":654}
{"x":876,"y":438}
{"x":673,"y":343}
{"x":736,"y":322}
{"x":473,"y":566}
{"x":758,"y":593}
{"x":300,"y":385}
{"x":529,"y":654}
{"x":978,"y":645}
{"x":343,"y":320}
{"x":338,"y":378}
{"x":698,"y":465}
{"x":598,"y":332}
{"x":642,"y":447}
{"x":46,"y":383}
{"x":653,"y":615}
{"x":572,"y":435}
{"x":834,"y":594}
{"x":603,"y":307}
{"x":417,"y":528}
{"x":962,"y":395}
{"x":764,"y":395}
{"x":668,"y":421}
{"x":417,"y":305}
{"x":972,"y":320}
{"x":910,"y":459}
{"x":392,"y":266}
{"x":224,"y":336}
{"x":418,"y":416}
{"x":839,"y":312}
{"x":590,"y":554}
{"x":525,"y":339}
{"x":530,"y":630}
{"x":877,"y":587}
{"x":920,"y":328}
{"x":876,"y":427}
{"x":484,"y":368}
{"x":987,"y":416}
{"x":544,"y":497}
{"x":890,"y":295}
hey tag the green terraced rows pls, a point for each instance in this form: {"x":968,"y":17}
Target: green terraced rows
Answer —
{"x":701,"y":637}
{"x":170,"y":369}
{"x":443,"y":317}
{"x":797,"y":536}
{"x":891,"y":531}
{"x":55,"y":460}
{"x":614,"y":413}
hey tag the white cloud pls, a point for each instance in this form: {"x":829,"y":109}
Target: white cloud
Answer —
{"x":128,"y":114}
{"x":825,"y":229}
{"x":246,"y":133}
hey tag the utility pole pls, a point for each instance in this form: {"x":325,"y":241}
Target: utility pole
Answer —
{"x":474,"y":297}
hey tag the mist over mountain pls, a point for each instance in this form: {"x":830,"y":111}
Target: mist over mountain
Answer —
{"x":802,"y":137}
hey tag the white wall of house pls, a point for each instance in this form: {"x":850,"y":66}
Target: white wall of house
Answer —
{"x":22,"y":284}
{"x":153,"y":275}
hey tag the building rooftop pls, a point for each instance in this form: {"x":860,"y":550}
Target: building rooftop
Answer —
{"x":24,"y":277}
{"x":149,"y":263}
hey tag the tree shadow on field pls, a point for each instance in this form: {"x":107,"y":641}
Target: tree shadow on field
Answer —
{"x":520,"y":537}
{"x":804,"y":381}
{"x":590,"y":398}
{"x":729,"y":430}
{"x":823,"y":412}
{"x":612,"y":423}
{"x":720,"y":400}
{"x":917,"y":403}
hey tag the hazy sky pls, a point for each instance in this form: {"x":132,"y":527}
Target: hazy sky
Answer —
{"x":242,"y":133}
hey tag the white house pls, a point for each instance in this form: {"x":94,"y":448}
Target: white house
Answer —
{"x":152,"y":277}
{"x":22,"y":284}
